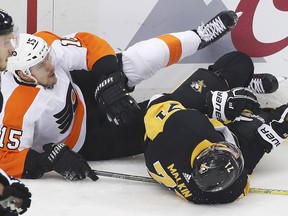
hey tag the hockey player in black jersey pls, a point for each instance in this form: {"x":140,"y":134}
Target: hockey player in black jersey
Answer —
{"x":200,"y":158}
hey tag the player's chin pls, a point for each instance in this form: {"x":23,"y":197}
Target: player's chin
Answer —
{"x":3,"y":66}
{"x":52,"y":80}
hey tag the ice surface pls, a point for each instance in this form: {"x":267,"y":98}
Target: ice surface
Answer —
{"x":110,"y":196}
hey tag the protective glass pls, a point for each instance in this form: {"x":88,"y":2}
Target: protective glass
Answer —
{"x":15,"y":37}
{"x":11,"y":39}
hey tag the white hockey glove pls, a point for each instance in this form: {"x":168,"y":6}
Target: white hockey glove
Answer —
{"x":227,"y":105}
{"x":274,"y":132}
{"x":15,"y":197}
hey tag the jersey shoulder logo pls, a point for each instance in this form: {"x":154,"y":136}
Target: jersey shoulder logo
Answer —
{"x":198,"y":86}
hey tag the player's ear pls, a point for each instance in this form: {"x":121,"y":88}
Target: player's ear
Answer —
{"x":24,"y":76}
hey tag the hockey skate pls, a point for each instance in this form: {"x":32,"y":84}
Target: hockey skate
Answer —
{"x":263,"y":83}
{"x":217,"y":27}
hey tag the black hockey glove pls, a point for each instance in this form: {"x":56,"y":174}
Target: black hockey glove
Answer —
{"x":227,"y":105}
{"x":274,"y":132}
{"x":15,"y":198}
{"x":69,"y":164}
{"x":8,"y":213}
{"x":115,"y":101}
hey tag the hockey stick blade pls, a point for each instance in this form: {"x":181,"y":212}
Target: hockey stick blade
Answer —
{"x":151,"y":180}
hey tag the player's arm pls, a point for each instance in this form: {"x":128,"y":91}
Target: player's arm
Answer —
{"x":112,"y":93}
{"x":60,"y":158}
{"x":87,"y":51}
{"x":12,"y":162}
{"x":31,"y":164}
{"x":111,"y":90}
{"x":260,"y":133}
{"x":220,"y":105}
{"x":228,"y":105}
{"x":274,"y":131}
{"x":139,"y":62}
{"x":101,"y":57}
{"x":23,"y":164}
{"x":83,"y":50}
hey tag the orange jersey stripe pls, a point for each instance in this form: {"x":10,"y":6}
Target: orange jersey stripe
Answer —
{"x":96,"y":47}
{"x":13,"y":162}
{"x":75,"y":132}
{"x":49,"y":37}
{"x":175,"y":47}
{"x":16,"y":108}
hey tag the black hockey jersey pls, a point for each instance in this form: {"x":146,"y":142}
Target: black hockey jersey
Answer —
{"x":174,"y":137}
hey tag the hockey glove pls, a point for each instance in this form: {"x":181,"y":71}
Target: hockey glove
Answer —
{"x":115,"y":101}
{"x":273,"y":133}
{"x":227,"y":105}
{"x":16,"y":197}
{"x":69,"y":164}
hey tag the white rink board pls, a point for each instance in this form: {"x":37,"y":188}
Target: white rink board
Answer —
{"x":122,"y":23}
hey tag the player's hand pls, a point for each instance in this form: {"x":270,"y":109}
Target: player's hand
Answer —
{"x":273,"y":133}
{"x":66,"y":162}
{"x":227,"y":105}
{"x":16,"y":197}
{"x":115,"y":101}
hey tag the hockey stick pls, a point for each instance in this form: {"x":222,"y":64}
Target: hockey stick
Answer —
{"x":151,"y":180}
{"x":124,"y":176}
{"x":268,"y":191}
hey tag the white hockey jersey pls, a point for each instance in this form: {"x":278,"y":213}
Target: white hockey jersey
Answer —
{"x":33,"y":115}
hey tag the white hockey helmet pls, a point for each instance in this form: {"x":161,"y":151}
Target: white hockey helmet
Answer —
{"x":31,"y":51}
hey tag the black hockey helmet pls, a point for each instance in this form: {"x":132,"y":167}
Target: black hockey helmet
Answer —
{"x":6,"y":23}
{"x":217,"y":167}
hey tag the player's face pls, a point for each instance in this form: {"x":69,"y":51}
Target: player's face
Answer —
{"x":6,"y":49}
{"x":44,"y":72}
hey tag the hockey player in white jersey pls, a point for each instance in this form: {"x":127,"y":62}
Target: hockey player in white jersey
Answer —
{"x":51,"y":120}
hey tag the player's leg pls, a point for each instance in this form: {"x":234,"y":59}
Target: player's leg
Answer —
{"x":263,"y":83}
{"x":236,"y":68}
{"x":233,"y":69}
{"x":145,"y":58}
